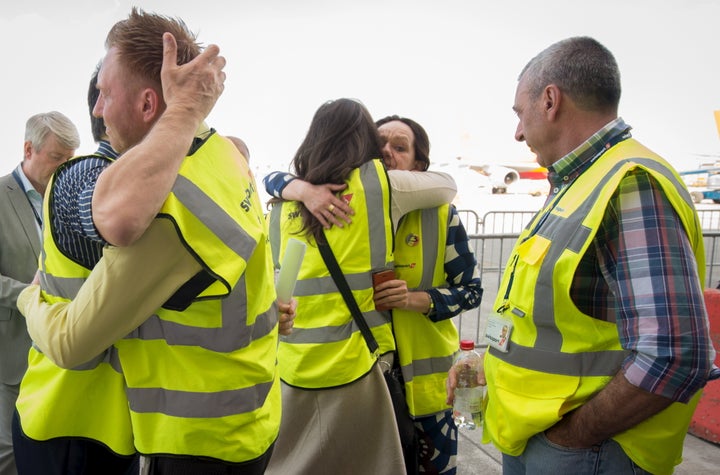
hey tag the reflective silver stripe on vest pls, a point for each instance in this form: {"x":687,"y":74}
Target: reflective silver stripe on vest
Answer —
{"x":68,"y":288}
{"x":229,"y":231}
{"x":234,"y":334}
{"x":106,"y":356}
{"x":275,"y":238}
{"x":64,"y":287}
{"x":199,"y":404}
{"x":114,"y":359}
{"x":679,"y":185}
{"x":570,"y":234}
{"x":332,"y":334}
{"x":326,"y":285}
{"x":430,"y":243}
{"x":376,"y":221}
{"x":43,"y":254}
{"x":437,"y":365}
{"x":598,"y":363}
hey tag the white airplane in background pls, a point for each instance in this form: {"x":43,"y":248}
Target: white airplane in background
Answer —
{"x":502,"y":175}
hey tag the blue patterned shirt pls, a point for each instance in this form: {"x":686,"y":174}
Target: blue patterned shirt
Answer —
{"x":73,"y":226}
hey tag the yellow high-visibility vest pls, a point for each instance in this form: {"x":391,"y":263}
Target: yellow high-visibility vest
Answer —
{"x":201,"y":372}
{"x":552,"y":365}
{"x":425,"y":348}
{"x":88,"y":401}
{"x":326,"y":348}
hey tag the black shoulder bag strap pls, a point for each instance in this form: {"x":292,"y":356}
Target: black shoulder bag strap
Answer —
{"x":393,"y":377}
{"x":344,"y":288}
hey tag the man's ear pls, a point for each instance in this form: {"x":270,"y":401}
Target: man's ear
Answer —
{"x":151,"y":104}
{"x":27,"y":149}
{"x":552,"y":98}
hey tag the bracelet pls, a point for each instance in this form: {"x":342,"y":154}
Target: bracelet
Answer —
{"x":431,"y":306}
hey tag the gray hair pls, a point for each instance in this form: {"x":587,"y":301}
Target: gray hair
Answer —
{"x":40,"y":125}
{"x":582,"y":68}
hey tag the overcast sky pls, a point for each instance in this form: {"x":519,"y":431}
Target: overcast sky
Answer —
{"x":452,"y":65}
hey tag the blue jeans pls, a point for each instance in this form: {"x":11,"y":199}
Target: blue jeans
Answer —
{"x":543,"y":457}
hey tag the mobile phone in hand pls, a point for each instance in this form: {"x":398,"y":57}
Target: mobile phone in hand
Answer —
{"x":380,"y":277}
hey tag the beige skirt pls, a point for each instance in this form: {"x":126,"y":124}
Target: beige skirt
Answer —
{"x":346,"y":430}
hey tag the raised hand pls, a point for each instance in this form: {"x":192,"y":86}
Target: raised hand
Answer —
{"x":194,"y":87}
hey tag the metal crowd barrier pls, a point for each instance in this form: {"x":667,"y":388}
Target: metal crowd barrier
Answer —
{"x":492,"y":251}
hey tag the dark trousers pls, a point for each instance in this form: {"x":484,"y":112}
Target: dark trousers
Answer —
{"x":67,"y":456}
{"x":160,"y":465}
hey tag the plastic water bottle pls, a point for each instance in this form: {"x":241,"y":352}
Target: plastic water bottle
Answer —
{"x":467,"y":408}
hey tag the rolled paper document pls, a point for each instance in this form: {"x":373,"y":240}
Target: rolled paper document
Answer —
{"x":289,"y":269}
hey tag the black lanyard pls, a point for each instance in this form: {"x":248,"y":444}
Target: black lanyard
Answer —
{"x":16,"y":175}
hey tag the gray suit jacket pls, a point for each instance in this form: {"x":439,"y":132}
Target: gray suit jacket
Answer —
{"x":19,"y":248}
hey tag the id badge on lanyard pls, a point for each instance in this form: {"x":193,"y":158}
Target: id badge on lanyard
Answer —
{"x":497,"y":332}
